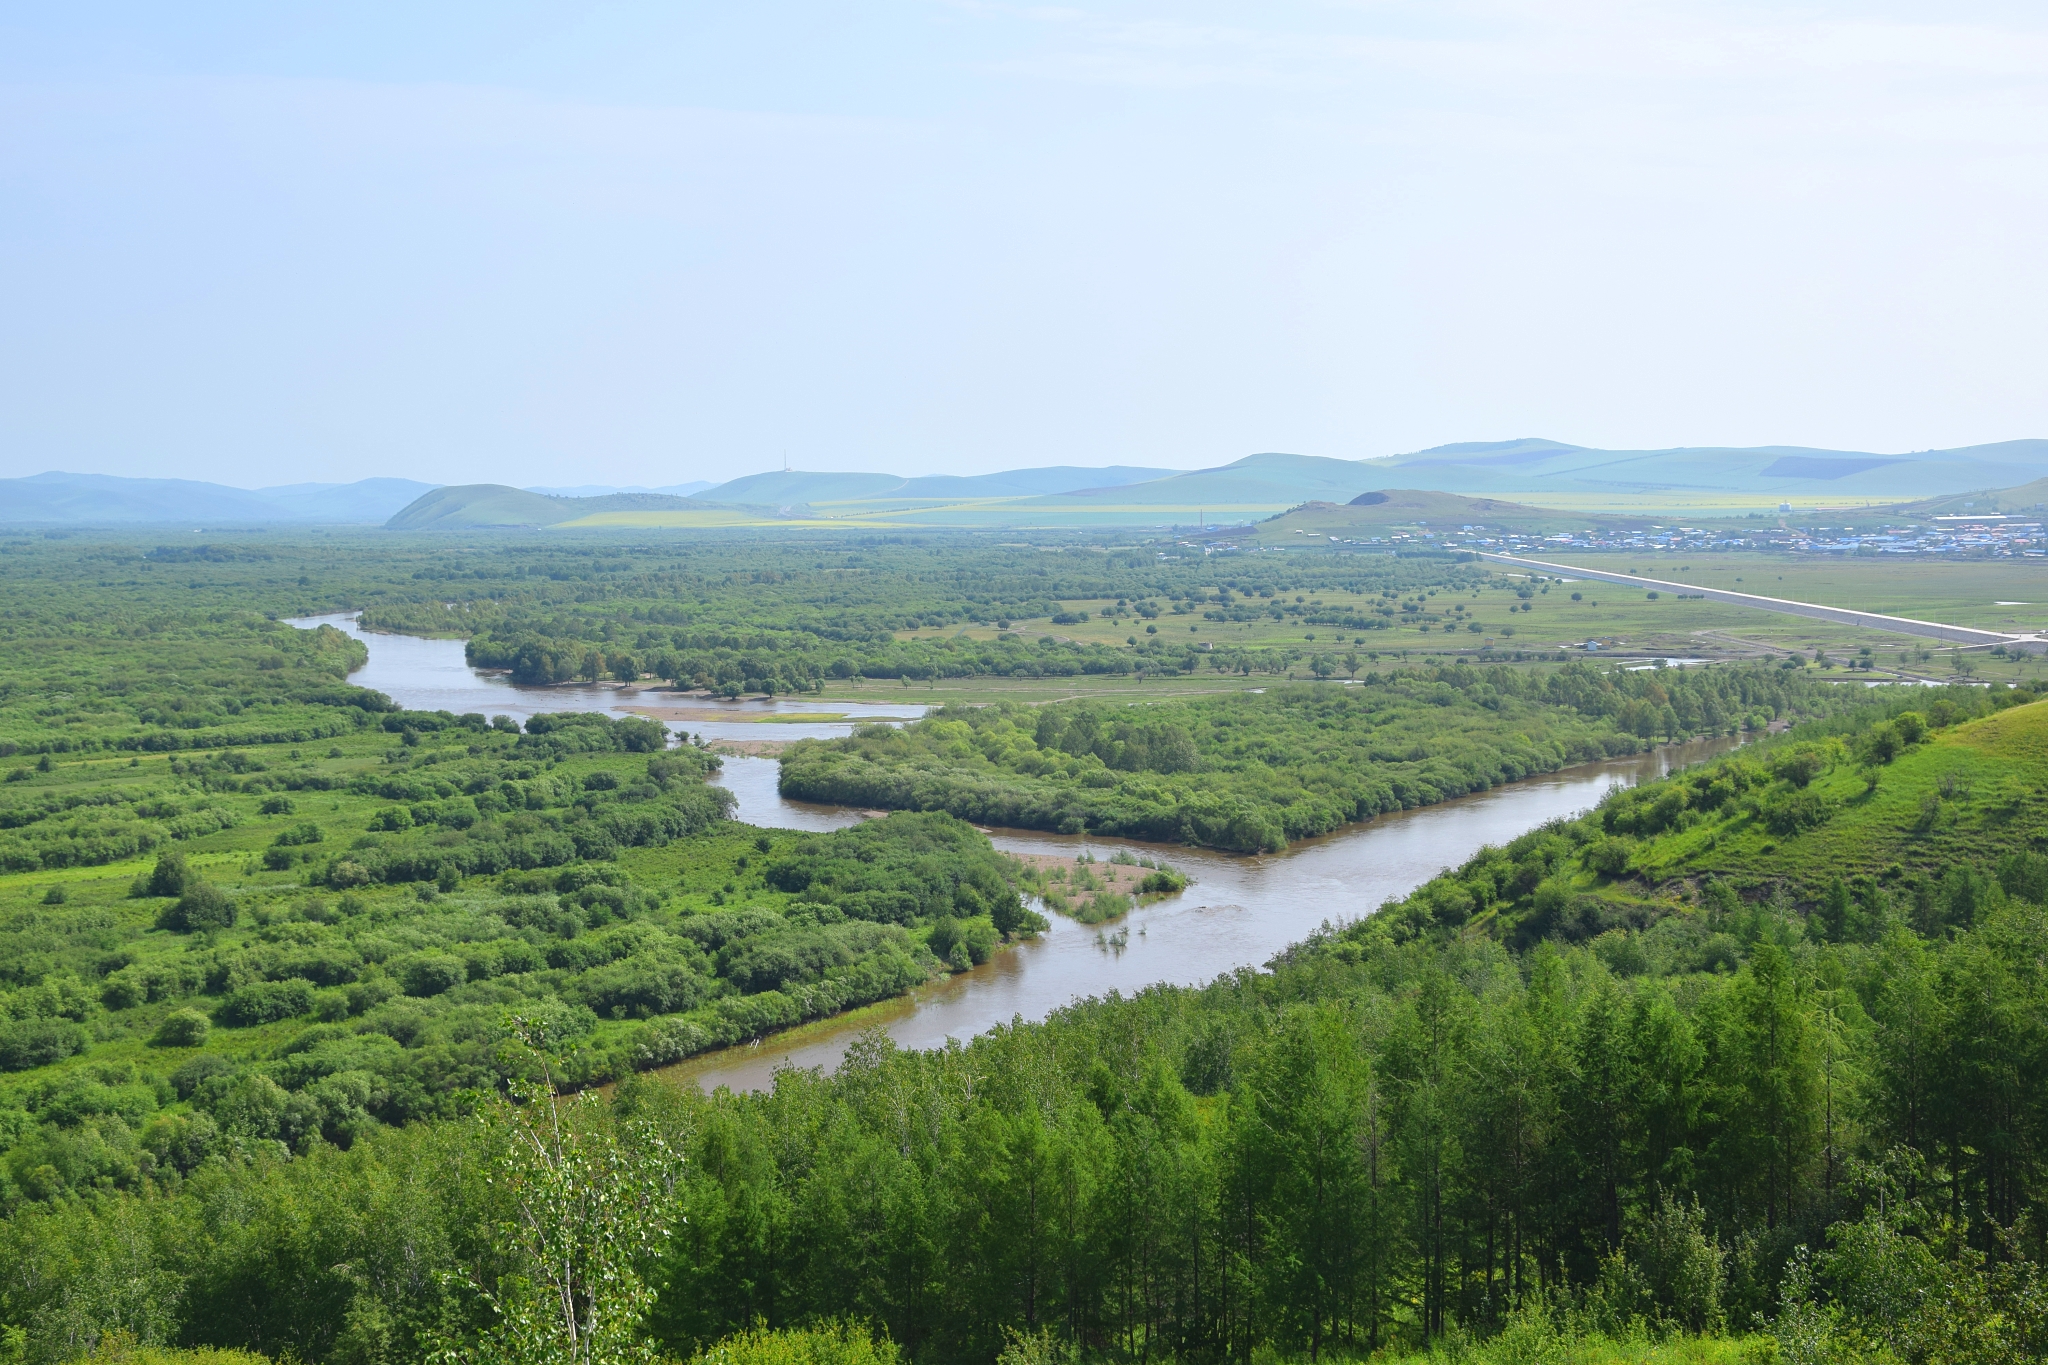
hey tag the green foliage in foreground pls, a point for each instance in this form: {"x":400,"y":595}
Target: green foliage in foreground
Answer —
{"x":833,"y":1343}
{"x":1411,"y":1134}
{"x":119,"y":1350}
{"x":1250,"y":772}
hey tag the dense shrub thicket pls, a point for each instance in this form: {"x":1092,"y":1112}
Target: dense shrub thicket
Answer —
{"x":380,"y":1012}
{"x":1255,"y":771}
{"x":797,"y":625}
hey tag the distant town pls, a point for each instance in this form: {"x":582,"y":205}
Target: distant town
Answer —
{"x":1964,"y":535}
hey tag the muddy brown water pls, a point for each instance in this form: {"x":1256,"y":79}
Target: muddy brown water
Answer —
{"x":433,"y":675}
{"x":1239,"y":911}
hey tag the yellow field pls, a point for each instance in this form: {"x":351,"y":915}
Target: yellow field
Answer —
{"x":981,"y":513}
{"x":1018,"y":512}
{"x":698,"y":521}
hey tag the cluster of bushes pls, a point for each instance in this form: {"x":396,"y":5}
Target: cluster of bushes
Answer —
{"x":373,"y":1010}
{"x":1257,"y":771}
{"x":237,"y":679}
{"x":796,"y":621}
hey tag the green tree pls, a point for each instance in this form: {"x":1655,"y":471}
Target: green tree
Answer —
{"x":1769,"y":1083}
{"x":585,"y":1207}
{"x":1312,"y":1107}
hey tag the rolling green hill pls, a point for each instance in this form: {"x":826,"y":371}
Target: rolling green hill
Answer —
{"x":1965,"y":796}
{"x":479,"y":505}
{"x":2028,"y":497}
{"x":1258,"y":486}
{"x":1476,"y":482}
{"x":865,"y":492}
{"x":1272,"y":481}
{"x":1408,"y":507}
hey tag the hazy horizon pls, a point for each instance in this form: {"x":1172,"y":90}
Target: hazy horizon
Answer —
{"x":640,"y":245}
{"x":597,"y":479}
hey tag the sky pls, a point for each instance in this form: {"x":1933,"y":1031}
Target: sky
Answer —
{"x":655,"y":243}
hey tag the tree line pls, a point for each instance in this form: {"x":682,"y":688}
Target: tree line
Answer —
{"x":1257,"y":771}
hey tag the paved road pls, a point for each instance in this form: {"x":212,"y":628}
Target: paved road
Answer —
{"x":1903,"y":625}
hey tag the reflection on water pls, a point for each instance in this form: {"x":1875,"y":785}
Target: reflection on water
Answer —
{"x":757,"y":802}
{"x":434,"y":675}
{"x":1238,"y":913}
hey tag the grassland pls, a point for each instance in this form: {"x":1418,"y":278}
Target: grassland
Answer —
{"x":1967,"y":796}
{"x":2003,"y":594}
{"x":1620,"y":621}
{"x":1960,"y":591}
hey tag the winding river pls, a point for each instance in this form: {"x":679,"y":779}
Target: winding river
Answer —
{"x":1239,"y":912}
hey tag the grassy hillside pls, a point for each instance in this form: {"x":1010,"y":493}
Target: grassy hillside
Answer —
{"x":1270,"y":482}
{"x":851,"y":494}
{"x":461,"y":506}
{"x":2027,"y":498}
{"x":1968,"y":795}
{"x":482,"y":505}
{"x":1410,"y":509}
{"x":1921,"y":810}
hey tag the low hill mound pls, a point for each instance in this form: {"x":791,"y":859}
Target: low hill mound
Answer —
{"x":1255,"y":483}
{"x":483,"y":505}
{"x":1966,"y":795}
{"x":1381,"y":511}
{"x":786,"y":487}
{"x":2027,"y":497}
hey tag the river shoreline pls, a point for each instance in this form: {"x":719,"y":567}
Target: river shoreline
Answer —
{"x":1239,"y":912}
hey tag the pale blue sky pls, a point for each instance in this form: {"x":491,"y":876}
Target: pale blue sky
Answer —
{"x":643,"y":243}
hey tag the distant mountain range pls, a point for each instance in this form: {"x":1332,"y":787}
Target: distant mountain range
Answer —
{"x":1057,"y":495}
{"x":787,"y":489}
{"x":1528,"y":466}
{"x":600,"y":490}
{"x":1538,"y":466}
{"x":56,"y":499}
